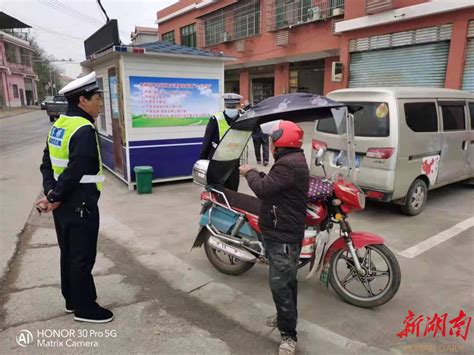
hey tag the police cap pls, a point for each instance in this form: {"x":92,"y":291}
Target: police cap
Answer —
{"x":231,"y":99}
{"x":83,"y":85}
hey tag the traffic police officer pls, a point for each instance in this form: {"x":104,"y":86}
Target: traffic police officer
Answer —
{"x":72,"y":181}
{"x":218,"y":125}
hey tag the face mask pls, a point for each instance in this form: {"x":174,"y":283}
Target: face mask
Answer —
{"x":232,"y":112}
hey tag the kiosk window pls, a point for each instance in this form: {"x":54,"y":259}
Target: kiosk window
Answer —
{"x":421,"y":116}
{"x":453,"y":117}
{"x":471,"y":112}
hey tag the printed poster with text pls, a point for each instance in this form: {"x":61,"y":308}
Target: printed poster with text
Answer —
{"x":164,"y":102}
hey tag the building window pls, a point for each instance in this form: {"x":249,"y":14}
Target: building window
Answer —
{"x":421,"y":116}
{"x":247,"y":19}
{"x":168,"y":37}
{"x":214,"y":30}
{"x":25,"y":57}
{"x":188,"y":36}
{"x":10,"y":51}
{"x":15,"y":91}
{"x":289,"y":13}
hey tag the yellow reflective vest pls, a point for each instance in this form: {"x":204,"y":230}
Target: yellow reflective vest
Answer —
{"x":222,"y":124}
{"x":58,"y":144}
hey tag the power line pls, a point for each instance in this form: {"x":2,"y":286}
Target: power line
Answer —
{"x":67,"y":10}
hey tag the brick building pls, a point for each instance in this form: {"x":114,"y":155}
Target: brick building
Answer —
{"x":321,"y":45}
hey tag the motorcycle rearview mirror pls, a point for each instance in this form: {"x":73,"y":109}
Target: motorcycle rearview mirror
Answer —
{"x":319,"y":159}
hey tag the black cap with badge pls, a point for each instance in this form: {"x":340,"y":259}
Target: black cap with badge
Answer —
{"x":83,"y":85}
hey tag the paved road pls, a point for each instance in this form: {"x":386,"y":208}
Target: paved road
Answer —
{"x":158,"y":230}
{"x":22,"y":140}
{"x":21,"y":131}
{"x":440,"y":280}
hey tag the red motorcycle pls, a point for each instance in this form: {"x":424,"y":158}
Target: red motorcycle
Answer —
{"x":359,"y":267}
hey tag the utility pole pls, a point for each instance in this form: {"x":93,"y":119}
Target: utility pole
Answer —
{"x":51,"y":81}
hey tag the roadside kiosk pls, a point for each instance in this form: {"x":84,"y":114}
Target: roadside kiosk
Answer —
{"x":158,"y":98}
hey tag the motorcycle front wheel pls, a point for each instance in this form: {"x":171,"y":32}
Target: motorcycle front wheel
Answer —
{"x":379,"y":283}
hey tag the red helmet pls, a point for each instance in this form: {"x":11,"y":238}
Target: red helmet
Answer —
{"x":287,"y":135}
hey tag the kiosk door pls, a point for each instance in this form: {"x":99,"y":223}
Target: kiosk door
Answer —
{"x":115,"y":114}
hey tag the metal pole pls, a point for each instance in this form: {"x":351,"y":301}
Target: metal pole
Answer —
{"x":51,"y":81}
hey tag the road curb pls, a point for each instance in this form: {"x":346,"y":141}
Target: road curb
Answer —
{"x":5,"y":269}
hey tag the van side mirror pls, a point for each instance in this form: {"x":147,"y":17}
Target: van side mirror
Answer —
{"x":320,"y":155}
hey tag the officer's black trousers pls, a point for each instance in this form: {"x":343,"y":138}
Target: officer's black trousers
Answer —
{"x":77,"y":238}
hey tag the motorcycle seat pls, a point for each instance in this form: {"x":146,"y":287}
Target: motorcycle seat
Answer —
{"x":241,"y":201}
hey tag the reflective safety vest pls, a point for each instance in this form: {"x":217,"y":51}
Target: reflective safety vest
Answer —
{"x":58,"y":145}
{"x":222,"y":124}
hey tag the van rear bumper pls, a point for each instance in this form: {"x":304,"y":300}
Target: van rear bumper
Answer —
{"x":377,"y":195}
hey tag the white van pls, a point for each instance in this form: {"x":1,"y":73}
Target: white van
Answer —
{"x":408,"y":141}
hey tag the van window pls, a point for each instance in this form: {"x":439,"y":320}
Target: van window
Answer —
{"x":471,"y":112}
{"x":421,"y":116}
{"x":371,"y":121}
{"x":453,"y":117}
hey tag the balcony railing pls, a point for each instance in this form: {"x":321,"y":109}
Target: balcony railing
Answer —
{"x":232,"y":23}
{"x":288,"y":13}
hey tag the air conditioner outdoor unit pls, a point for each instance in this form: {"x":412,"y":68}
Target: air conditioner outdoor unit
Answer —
{"x":314,"y":14}
{"x":338,"y":11}
{"x":226,"y":37}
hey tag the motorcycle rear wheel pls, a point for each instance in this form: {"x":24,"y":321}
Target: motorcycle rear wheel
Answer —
{"x":375,"y":271}
{"x":225,"y":263}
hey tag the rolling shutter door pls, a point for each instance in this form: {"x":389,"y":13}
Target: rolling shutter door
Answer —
{"x":468,"y":77}
{"x":418,"y":65}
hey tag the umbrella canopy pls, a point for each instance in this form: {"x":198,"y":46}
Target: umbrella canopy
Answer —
{"x":297,"y":107}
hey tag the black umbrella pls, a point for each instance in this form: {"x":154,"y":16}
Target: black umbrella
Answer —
{"x":297,"y":107}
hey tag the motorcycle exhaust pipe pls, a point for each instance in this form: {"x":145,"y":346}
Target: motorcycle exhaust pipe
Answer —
{"x":239,"y":253}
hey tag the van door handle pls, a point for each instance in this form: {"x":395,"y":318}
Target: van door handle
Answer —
{"x":465,"y":145}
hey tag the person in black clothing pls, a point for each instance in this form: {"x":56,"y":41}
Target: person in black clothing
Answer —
{"x":218,"y":125}
{"x":71,"y":181}
{"x":261,"y":146}
{"x":260,"y":139}
{"x":282,"y":222}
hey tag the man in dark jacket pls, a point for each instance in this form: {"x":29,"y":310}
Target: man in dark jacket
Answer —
{"x":216,"y":128}
{"x":282,"y":221}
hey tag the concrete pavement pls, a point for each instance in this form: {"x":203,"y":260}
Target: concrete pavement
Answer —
{"x":150,"y":316}
{"x":22,"y":140}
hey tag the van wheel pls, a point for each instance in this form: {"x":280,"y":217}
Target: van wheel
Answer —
{"x":415,"y":201}
{"x":51,"y":118}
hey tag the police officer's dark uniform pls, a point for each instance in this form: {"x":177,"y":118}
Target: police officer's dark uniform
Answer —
{"x":72,"y":175}
{"x":215,"y":130}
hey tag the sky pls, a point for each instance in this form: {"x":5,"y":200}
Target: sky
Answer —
{"x":61,"y":26}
